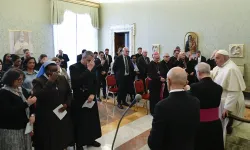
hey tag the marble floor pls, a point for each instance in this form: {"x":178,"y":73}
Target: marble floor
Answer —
{"x":134,"y":128}
{"x":133,"y":131}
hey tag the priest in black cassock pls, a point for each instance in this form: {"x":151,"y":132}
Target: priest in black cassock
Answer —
{"x":156,"y":81}
{"x":165,"y":66}
{"x":210,"y":133}
{"x":52,"y":90}
{"x":86,"y":120}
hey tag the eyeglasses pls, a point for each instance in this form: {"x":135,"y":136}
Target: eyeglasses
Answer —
{"x":20,"y":79}
{"x":165,"y":56}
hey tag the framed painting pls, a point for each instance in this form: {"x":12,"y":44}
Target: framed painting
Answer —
{"x":191,"y":42}
{"x":155,"y":48}
{"x":20,"y":40}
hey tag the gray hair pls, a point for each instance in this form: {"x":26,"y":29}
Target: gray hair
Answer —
{"x":203,"y":68}
{"x":87,"y":53}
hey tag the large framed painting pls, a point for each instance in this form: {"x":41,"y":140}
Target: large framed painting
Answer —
{"x":191,"y":42}
{"x":236,"y":50}
{"x":20,"y":40}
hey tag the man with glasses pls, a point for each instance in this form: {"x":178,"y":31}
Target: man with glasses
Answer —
{"x":165,"y":66}
{"x":124,"y":71}
{"x":155,"y":84}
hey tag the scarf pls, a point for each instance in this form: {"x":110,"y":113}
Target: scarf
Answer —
{"x":18,"y":91}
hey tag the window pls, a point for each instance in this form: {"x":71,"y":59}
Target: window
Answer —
{"x":75,"y":34}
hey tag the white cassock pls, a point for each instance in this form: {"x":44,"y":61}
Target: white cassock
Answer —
{"x":231,"y":79}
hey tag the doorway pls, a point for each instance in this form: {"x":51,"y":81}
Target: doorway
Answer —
{"x":121,"y":40}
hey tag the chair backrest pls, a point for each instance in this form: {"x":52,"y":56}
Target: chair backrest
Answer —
{"x":111,"y":81}
{"x":139,"y":86}
{"x":147,"y":82}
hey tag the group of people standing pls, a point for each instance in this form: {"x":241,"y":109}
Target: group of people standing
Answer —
{"x":194,"y":117}
{"x":33,"y":98}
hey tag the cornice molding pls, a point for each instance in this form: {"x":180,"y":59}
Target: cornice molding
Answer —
{"x":83,"y":2}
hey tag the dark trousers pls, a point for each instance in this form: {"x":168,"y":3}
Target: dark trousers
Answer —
{"x":101,"y":82}
{"x":154,"y":88}
{"x":124,"y":86}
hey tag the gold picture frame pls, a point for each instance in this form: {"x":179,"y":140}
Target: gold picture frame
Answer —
{"x":191,"y":42}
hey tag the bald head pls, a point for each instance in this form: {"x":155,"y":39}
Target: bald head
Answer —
{"x":177,"y":78}
{"x":125,"y":51}
{"x":145,"y":53}
{"x":156,"y":57}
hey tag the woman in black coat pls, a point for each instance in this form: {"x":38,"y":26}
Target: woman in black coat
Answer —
{"x":15,"y":113}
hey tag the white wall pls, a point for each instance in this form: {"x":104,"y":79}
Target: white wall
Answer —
{"x":31,"y":15}
{"x":218,"y":23}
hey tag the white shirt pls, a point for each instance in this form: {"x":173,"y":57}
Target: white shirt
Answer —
{"x":126,"y":73}
{"x":199,"y":59}
{"x":135,"y":67}
{"x":176,"y":90}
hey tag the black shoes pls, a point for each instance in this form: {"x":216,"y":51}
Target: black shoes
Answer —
{"x":120,"y":106}
{"x":125,"y":104}
{"x":95,"y":144}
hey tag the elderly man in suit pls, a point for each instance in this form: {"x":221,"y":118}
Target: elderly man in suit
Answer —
{"x":64,"y":59}
{"x":176,"y":118}
{"x":124,"y":72}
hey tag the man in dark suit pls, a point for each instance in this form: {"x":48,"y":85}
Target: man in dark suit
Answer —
{"x":79,"y":57}
{"x":199,"y":58}
{"x":210,"y":133}
{"x":124,"y":71}
{"x":173,"y":59}
{"x":176,"y":118}
{"x":108,"y":57}
{"x":143,"y":63}
{"x":139,"y":50}
{"x":64,"y":59}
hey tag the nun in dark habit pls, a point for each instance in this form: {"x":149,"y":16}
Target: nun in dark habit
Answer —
{"x":52,"y":90}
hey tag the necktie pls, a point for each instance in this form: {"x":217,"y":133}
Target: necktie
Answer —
{"x":146,"y":60}
{"x":126,"y":65}
{"x":107,"y":58}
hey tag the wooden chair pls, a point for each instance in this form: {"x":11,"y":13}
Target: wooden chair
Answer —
{"x":111,"y":86}
{"x":139,"y":89}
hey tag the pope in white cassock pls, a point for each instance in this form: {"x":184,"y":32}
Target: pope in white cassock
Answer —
{"x":21,"y":44}
{"x":228,"y":75}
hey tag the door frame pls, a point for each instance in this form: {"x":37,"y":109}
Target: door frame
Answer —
{"x":130,"y":28}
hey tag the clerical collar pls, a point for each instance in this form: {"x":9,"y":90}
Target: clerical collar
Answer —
{"x":225,"y":63}
{"x":176,"y":90}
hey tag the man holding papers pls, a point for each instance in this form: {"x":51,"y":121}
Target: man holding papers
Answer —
{"x":53,"y":127}
{"x":85,"y":116}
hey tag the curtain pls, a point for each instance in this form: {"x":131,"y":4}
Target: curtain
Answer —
{"x":74,"y":34}
{"x":58,"y":9}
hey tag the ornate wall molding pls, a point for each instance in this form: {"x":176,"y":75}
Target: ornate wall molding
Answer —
{"x":130,"y":28}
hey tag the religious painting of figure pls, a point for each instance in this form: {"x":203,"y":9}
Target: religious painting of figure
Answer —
{"x":236,"y":50}
{"x":20,"y":40}
{"x":191,"y":43}
{"x":156,"y":48}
